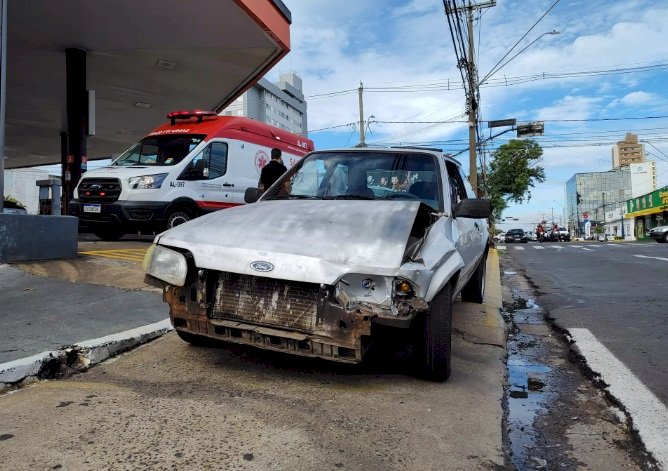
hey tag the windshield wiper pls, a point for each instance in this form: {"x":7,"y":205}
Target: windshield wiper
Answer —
{"x":304,"y":197}
{"x":349,"y":197}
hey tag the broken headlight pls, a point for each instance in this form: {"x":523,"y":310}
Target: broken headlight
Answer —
{"x":166,"y":264}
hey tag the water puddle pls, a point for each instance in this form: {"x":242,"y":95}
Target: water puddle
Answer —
{"x":526,"y":391}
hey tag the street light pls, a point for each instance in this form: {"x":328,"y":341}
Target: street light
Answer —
{"x":500,"y":65}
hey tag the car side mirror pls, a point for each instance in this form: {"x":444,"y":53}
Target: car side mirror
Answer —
{"x":252,"y":194}
{"x":475,"y":208}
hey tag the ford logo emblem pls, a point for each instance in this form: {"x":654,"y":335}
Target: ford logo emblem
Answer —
{"x":95,"y":187}
{"x":262,"y":266}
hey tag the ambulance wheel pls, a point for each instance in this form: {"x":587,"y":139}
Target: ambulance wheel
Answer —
{"x":109,"y":234}
{"x":178,"y":216}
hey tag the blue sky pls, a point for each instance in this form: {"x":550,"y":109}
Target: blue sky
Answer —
{"x":608,"y":63}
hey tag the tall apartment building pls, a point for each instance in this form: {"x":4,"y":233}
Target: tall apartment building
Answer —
{"x":628,"y":151}
{"x":280,"y":104}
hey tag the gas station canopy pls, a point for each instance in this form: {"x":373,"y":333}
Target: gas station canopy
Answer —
{"x":145,"y":58}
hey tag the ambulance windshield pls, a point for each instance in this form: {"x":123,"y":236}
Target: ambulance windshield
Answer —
{"x":159,"y":150}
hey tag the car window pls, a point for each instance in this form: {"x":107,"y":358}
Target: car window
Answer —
{"x":159,"y":150}
{"x":455,"y":184}
{"x":375,"y":175}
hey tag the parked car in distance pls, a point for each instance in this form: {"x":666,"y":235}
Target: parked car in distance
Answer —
{"x":564,"y":235}
{"x":328,"y":254}
{"x":500,"y":237}
{"x":659,"y":234}
{"x":516,"y":235}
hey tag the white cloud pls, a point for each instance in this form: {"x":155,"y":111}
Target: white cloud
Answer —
{"x":638,"y":98}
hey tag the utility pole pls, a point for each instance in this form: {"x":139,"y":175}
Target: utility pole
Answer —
{"x":472,"y":108}
{"x":472,"y":98}
{"x":360,"y":90}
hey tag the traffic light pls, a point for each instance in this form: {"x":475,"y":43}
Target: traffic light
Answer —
{"x":579,"y":198}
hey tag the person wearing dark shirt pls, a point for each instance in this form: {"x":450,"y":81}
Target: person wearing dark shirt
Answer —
{"x":272,"y":171}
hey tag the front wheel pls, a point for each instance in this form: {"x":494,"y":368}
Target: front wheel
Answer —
{"x":433,"y":340}
{"x":474,"y":291}
{"x":178,"y":216}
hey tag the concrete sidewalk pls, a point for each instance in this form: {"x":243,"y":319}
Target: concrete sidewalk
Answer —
{"x":41,"y":317}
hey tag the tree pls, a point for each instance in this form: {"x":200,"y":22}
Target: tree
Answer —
{"x":513,"y":170}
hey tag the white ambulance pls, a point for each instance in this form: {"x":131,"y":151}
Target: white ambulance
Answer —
{"x":196,"y":163}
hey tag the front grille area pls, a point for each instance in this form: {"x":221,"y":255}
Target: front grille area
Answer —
{"x":99,"y":190}
{"x":266,"y":301}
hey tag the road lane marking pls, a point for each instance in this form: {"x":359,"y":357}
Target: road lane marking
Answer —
{"x":519,"y":248}
{"x":655,"y":258}
{"x":537,"y":247}
{"x":134,"y":255}
{"x":585,"y":248}
{"x":649,"y":414}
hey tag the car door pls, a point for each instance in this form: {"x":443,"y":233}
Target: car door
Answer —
{"x":467,"y":229}
{"x":210,"y":171}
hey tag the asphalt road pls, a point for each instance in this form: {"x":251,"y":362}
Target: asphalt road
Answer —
{"x":619,"y":291}
{"x":613,"y":300}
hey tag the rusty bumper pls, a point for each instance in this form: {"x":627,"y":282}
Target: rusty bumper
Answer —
{"x":273,"y":316}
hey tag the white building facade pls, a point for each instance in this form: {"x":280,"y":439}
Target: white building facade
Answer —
{"x":281,"y":104}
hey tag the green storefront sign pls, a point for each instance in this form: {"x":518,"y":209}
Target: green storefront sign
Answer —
{"x":651,"y":201}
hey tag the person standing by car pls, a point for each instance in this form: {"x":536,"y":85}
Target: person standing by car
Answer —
{"x":272,"y":171}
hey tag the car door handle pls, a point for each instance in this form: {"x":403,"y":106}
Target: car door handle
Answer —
{"x":228,"y":185}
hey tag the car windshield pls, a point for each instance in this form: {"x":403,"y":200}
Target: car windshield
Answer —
{"x":159,"y":150}
{"x":372,"y":175}
{"x":515,"y":231}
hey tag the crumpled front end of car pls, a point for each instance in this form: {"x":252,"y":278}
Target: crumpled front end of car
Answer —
{"x":309,"y":319}
{"x":308,"y":312}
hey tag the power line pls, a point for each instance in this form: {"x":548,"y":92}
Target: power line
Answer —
{"x":495,"y":69}
{"x":506,"y":81}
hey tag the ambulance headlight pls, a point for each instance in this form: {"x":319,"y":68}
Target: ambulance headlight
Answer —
{"x":166,"y":264}
{"x":146,"y":182}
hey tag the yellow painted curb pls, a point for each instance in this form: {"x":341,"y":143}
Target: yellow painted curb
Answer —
{"x":493,"y":301}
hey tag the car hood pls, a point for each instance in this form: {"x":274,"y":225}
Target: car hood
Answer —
{"x":305,"y":240}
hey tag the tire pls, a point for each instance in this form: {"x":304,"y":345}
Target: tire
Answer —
{"x":474,"y":291}
{"x":194,"y":339}
{"x":665,"y":238}
{"x":178,"y":216}
{"x":433,"y":338}
{"x":109,"y":233}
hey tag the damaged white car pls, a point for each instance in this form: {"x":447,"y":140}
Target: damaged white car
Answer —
{"x":344,"y":240}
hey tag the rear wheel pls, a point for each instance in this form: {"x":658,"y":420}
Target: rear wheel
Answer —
{"x":474,"y":291}
{"x":433,"y":337}
{"x":665,"y":238}
{"x":109,"y":233}
{"x":178,"y":216}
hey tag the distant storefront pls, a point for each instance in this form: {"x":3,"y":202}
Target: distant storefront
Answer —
{"x":648,"y":211}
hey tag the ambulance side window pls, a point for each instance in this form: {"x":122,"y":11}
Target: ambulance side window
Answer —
{"x":209,"y":164}
{"x":217,"y":160}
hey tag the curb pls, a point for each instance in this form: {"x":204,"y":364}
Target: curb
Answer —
{"x":77,"y":357}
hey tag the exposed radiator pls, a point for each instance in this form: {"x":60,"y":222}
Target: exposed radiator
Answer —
{"x":266,"y":301}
